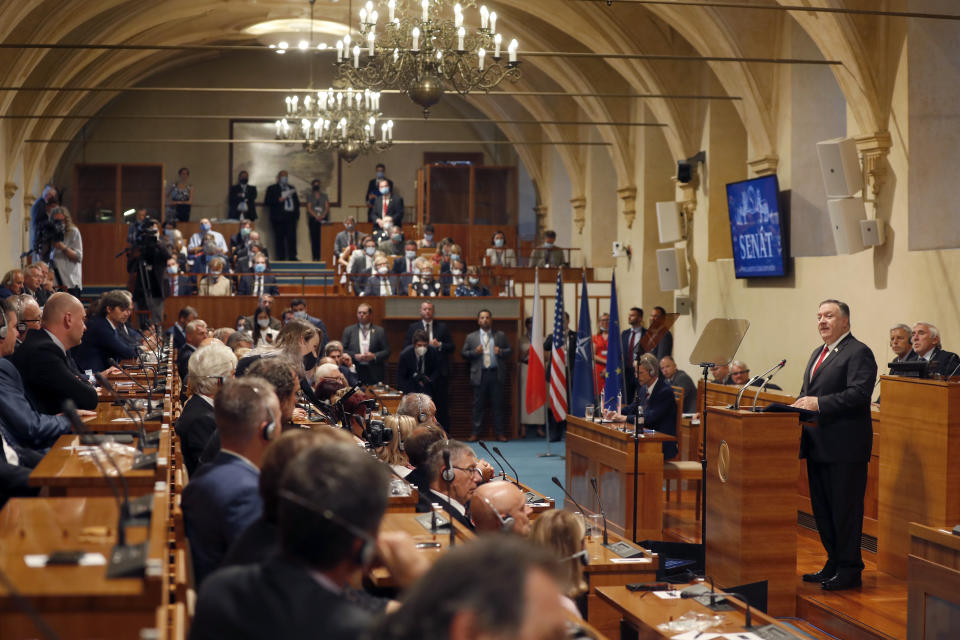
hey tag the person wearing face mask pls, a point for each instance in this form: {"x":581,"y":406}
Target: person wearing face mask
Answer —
{"x":418,"y":366}
{"x":393,"y":244}
{"x":261,"y":282}
{"x":384,"y":231}
{"x":299,"y":308}
{"x":238,"y":243}
{"x":548,"y":254}
{"x":373,"y":187}
{"x":451,"y":255}
{"x":423,"y":283}
{"x":284,"y":206}
{"x":404,"y":265}
{"x":472,"y":287}
{"x":499,"y":254}
{"x":361,"y":264}
{"x":215,"y":283}
{"x":382,"y":283}
{"x":427,"y":241}
{"x":243,"y":198}
{"x":348,"y":237}
{"x":207,"y":242}
{"x":318,"y":206}
{"x":386,"y":204}
{"x":39,"y":212}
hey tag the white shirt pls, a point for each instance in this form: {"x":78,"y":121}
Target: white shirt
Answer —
{"x":196,"y":240}
{"x":11,"y":455}
{"x":452,"y":502}
{"x":428,"y":327}
{"x":56,"y":341}
{"x":365,"y":339}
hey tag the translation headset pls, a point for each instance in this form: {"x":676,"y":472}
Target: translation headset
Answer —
{"x":506,"y":524}
{"x":447,"y":474}
{"x":582,"y":554}
{"x":269,"y":430}
{"x":421,"y":416}
{"x":3,"y":328}
{"x":369,"y":548}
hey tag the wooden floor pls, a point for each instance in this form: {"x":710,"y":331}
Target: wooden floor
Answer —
{"x":878,"y":610}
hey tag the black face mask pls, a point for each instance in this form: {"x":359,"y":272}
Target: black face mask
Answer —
{"x":309,"y":361}
{"x":316,"y":187}
{"x":244,"y":181}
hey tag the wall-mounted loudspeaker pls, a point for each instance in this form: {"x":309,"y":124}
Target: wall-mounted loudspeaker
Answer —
{"x":684,"y":171}
{"x":840,"y":167}
{"x":672,"y":267}
{"x":872,"y":232}
{"x":668,"y":222}
{"x":682,"y":304}
{"x":845,"y":217}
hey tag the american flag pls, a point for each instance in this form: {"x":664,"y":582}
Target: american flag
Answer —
{"x":558,"y":359}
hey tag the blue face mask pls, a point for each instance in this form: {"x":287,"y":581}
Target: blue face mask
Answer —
{"x":259,"y":267}
{"x":410,"y":255}
{"x":380,"y":175}
{"x":283,"y":180}
{"x":384,"y":190}
{"x":245,"y":232}
{"x":172,"y":269}
{"x":170,"y":233}
{"x":498,"y":242}
{"x":548,"y":245}
{"x":204,"y":228}
{"x":370,"y":250}
{"x":454,"y":256}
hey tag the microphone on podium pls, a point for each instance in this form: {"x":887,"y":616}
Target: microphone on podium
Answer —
{"x":767,"y":377}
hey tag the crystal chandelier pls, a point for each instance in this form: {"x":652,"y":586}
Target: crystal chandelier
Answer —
{"x":344,"y":121}
{"x":422,"y":52}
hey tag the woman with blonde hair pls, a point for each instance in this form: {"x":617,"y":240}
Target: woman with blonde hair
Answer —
{"x":563,"y":532}
{"x":299,"y":341}
{"x":402,"y":427}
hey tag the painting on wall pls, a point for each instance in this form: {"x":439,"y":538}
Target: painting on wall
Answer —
{"x":263,"y":158}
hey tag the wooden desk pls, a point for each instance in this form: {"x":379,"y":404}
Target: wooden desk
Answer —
{"x":601,"y":451}
{"x":406,"y":523}
{"x":645,"y":612}
{"x":78,"y":602}
{"x":608,"y":569}
{"x":933,"y":580}
{"x":64,"y":472}
{"x":388,"y":396}
{"x":404,"y":504}
{"x":110,"y":417}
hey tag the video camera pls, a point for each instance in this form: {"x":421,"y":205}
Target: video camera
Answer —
{"x":146,"y":233}
{"x":51,"y":232}
{"x":376,"y":433}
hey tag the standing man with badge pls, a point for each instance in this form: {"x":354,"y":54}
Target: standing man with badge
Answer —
{"x":243,"y":199}
{"x":284,"y":207}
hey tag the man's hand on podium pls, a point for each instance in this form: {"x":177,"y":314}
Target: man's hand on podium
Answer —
{"x":810,"y":403}
{"x":613,"y":416}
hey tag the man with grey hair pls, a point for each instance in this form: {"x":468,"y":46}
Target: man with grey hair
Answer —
{"x":223,"y":497}
{"x":926,"y":346}
{"x":28,"y":314}
{"x":676,"y":377}
{"x":33,"y":278}
{"x":215,"y":283}
{"x":454,"y":475}
{"x":655,"y":403}
{"x":195,"y":332}
{"x":900,"y":342}
{"x":740,"y":375}
{"x":420,"y":407}
{"x":209,"y":368}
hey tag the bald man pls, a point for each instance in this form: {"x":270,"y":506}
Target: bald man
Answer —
{"x":49,"y":373}
{"x":500,"y":506}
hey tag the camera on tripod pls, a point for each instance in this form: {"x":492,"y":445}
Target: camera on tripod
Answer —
{"x":146,"y":233}
{"x":377,"y":434}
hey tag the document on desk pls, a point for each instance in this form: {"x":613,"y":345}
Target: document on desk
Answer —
{"x":39,"y":560}
{"x":122,"y":420}
{"x":667,"y":595}
{"x":706,"y":635}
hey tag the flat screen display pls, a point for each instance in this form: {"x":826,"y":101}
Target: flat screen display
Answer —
{"x":755,"y":227}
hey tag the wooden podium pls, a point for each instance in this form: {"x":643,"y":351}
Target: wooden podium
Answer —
{"x":919,"y":472}
{"x":752,"y":467}
{"x":601,"y":451}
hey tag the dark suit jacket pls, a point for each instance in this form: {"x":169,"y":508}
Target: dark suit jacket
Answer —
{"x":570,"y":354}
{"x":221,"y":500}
{"x":394,"y":210}
{"x":441,"y":333}
{"x":183,"y":360}
{"x":237,"y":195}
{"x":664,"y":347}
{"x":659,"y":412}
{"x":50,"y":376}
{"x":245,"y":286}
{"x":374,"y":190}
{"x":194,"y":428}
{"x":476,"y":359}
{"x":372,"y":286}
{"x":409,"y":379}
{"x":276,"y":599}
{"x":186,"y":286}
{"x":100,"y":343}
{"x":179,"y":337}
{"x":373,"y":371}
{"x":257,"y":543}
{"x":277,"y":212}
{"x":14,"y":479}
{"x":629,"y":375}
{"x":842,"y":385}
{"x":23,"y":425}
{"x":685,"y":382}
{"x":941,"y":362}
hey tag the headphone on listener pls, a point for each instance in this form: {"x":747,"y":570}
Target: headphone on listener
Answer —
{"x":448,"y":473}
{"x":421,"y":416}
{"x":268,"y":431}
{"x":582,"y":554}
{"x":3,"y":328}
{"x":367,"y":551}
{"x":506,"y":524}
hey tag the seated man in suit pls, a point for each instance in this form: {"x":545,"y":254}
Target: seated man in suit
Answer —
{"x":454,"y":475}
{"x":362,"y":264}
{"x":261,"y":282}
{"x":900,"y":343}
{"x":926,"y":346}
{"x":721,"y":373}
{"x":740,"y":375}
{"x":417,"y":447}
{"x":391,"y":240}
{"x":382,"y":283}
{"x":222,"y":498}
{"x":185,"y":316}
{"x":49,"y":372}
{"x":334,"y":350}
{"x":492,"y":505}
{"x":655,"y":398}
{"x":28,"y":314}
{"x":101,"y":341}
{"x":331,"y":501}
{"x":12,"y":283}
{"x":209,"y":367}
{"x":548,"y":254}
{"x":196,"y":333}
{"x":678,"y":378}
{"x":419,"y":366}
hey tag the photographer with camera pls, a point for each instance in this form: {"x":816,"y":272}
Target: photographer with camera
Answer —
{"x":59,"y":239}
{"x":40,"y":213}
{"x":146,"y":264}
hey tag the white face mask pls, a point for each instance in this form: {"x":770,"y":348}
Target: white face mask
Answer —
{"x":383,"y":270}
{"x":263,"y":322}
{"x":473,"y":280}
{"x":420,"y":351}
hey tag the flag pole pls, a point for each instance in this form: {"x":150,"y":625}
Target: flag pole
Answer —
{"x":546,"y":411}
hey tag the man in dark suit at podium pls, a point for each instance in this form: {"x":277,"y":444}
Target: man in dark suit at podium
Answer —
{"x":837,"y":385}
{"x":656,"y":398}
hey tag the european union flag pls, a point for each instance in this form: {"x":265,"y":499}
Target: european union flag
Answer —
{"x":583,"y":369}
{"x":614,"y":384}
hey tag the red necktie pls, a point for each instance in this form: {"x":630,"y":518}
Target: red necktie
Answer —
{"x":823,"y":354}
{"x":385,"y":202}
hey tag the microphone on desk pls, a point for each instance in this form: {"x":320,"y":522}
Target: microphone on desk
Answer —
{"x":113,"y":363}
{"x":516,"y":475}
{"x":767,"y":377}
{"x":125,"y":560}
{"x":557,"y":482}
{"x":483,"y":446}
{"x":142,"y":461}
{"x":603,"y":514}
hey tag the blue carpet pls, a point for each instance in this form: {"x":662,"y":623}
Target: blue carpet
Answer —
{"x":534,"y":472}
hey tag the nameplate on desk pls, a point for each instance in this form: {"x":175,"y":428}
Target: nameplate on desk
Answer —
{"x":625,"y":550}
{"x":630,"y":560}
{"x":39,"y":560}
